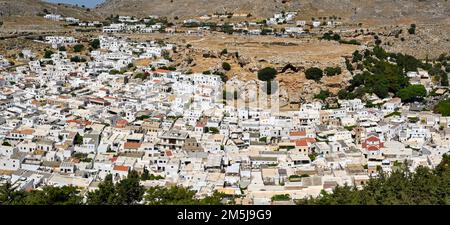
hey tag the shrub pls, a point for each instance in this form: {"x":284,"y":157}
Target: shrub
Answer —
{"x":281,"y":197}
{"x":412,"y":29}
{"x":48,"y":54}
{"x":95,"y":44}
{"x":443,"y":107}
{"x":314,"y":73}
{"x":412,"y":93}
{"x":77,"y":59}
{"x":226,"y":66}
{"x":78,"y":48}
{"x":323,"y":95}
{"x":267,"y":74}
{"x":331,"y":71}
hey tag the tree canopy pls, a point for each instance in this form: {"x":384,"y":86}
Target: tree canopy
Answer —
{"x":226,"y":66}
{"x":332,"y":71}
{"x":177,"y":195}
{"x":78,"y":48}
{"x":267,"y":74}
{"x":95,"y":44}
{"x":381,"y":73}
{"x":314,"y":73}
{"x":443,"y":107}
{"x":423,"y":187}
{"x":412,"y":93}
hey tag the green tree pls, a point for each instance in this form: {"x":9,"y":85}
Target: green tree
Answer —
{"x":357,"y":56}
{"x":281,"y":197}
{"x":224,"y":51}
{"x":66,"y":195}
{"x":332,"y":71}
{"x":226,"y":66}
{"x":177,"y":195}
{"x":9,"y":195}
{"x":78,"y":140}
{"x":78,"y":48}
{"x":95,"y":44}
{"x":104,"y":195}
{"x":412,"y":93}
{"x":324,"y":94}
{"x":267,"y":74}
{"x":314,"y":73}
{"x":444,"y":79}
{"x":421,"y":187}
{"x":443,"y":107}
{"x":412,"y":29}
{"x":129,"y":191}
{"x":169,"y":196}
{"x":145,"y":174}
{"x":214,"y":130}
{"x":349,"y":65}
{"x":48,"y":54}
{"x":77,"y":59}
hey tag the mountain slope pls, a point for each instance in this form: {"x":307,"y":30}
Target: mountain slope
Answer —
{"x":35,"y":7}
{"x":379,"y":11}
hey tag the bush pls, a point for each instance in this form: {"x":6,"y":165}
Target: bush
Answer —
{"x":213,"y":130}
{"x":114,"y":72}
{"x":48,"y":54}
{"x":267,"y":74}
{"x":412,"y":29}
{"x":323,"y":95}
{"x":331,"y":37}
{"x":412,"y":93}
{"x":141,"y":76}
{"x":95,"y":44}
{"x":444,"y":79}
{"x":424,"y":186}
{"x":314,"y":73}
{"x":78,"y":140}
{"x":443,"y":108}
{"x":350,"y":42}
{"x":349,"y":65}
{"x":78,"y":48}
{"x":224,"y":51}
{"x":77,"y":59}
{"x":331,"y":71}
{"x":285,"y":197}
{"x":171,"y":68}
{"x":226,"y":66}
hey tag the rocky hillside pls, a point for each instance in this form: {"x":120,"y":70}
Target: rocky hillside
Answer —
{"x":366,"y":11}
{"x":370,"y":11}
{"x":36,"y":7}
{"x":191,"y":8}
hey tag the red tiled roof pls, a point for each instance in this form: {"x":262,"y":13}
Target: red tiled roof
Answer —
{"x":373,"y":148}
{"x":132,"y":145}
{"x":80,"y":122}
{"x":301,"y":143}
{"x":298,"y":133}
{"x":121,"y":168}
{"x":304,"y":142}
{"x":373,"y":138}
{"x":169,"y":153}
{"x":121,"y":123}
